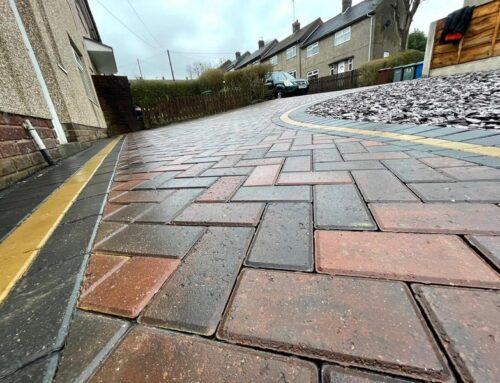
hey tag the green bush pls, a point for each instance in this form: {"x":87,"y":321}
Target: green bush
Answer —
{"x":152,"y":92}
{"x":369,"y":72}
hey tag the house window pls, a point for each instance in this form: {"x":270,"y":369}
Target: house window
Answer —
{"x":293,"y":73}
{"x":291,"y":52}
{"x":342,"y":66}
{"x":312,"y":75}
{"x":386,"y":54}
{"x":87,"y":84}
{"x":350,"y":64}
{"x":312,"y":50}
{"x":274,"y":60}
{"x":342,"y":36}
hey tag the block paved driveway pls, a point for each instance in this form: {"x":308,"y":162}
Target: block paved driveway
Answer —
{"x":242,"y":251}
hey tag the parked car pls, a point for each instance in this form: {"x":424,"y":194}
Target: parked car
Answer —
{"x":281,"y":84}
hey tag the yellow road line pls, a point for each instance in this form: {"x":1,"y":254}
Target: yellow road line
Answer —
{"x":20,"y":248}
{"x":441,"y":143}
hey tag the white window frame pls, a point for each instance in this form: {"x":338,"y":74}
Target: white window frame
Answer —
{"x":274,"y":60}
{"x":293,"y":73}
{"x":350,"y":64}
{"x":312,"y":50}
{"x":84,"y":75}
{"x":312,"y":73}
{"x":291,"y":52}
{"x":342,"y":36}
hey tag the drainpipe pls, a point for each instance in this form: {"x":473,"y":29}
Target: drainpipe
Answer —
{"x":39,"y":76}
{"x":41,"y":146}
{"x":371,"y":34}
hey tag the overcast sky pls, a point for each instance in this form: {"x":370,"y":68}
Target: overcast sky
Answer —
{"x":211,"y":30}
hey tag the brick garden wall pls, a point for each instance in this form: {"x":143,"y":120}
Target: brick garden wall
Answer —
{"x":83,"y":133}
{"x":19,"y":156}
{"x":117,"y":105}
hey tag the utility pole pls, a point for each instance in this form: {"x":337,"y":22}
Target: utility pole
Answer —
{"x":170,"y":61}
{"x":140,"y":70}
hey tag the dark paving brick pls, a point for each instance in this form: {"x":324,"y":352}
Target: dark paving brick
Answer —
{"x":255,"y":153}
{"x":180,"y":183}
{"x":130,"y":212}
{"x":349,"y":165}
{"x":351,"y":147}
{"x":225,"y":214}
{"x":440,"y":132}
{"x":157,"y":181}
{"x":194,"y":298}
{"x":141,"y":196}
{"x":458,"y":191}
{"x":106,"y":229}
{"x":444,"y":162}
{"x":227,"y":161}
{"x":487,"y":141}
{"x":169,"y":208}
{"x":314,"y":178}
{"x":196,"y":170}
{"x":489,"y":246}
{"x":297,"y":164}
{"x":412,"y":170}
{"x":152,"y":240}
{"x":261,"y":162}
{"x":92,"y":190}
{"x":240,"y":171}
{"x":340,"y":207}
{"x":326,"y":155}
{"x":40,"y":371}
{"x":290,"y":153}
{"x":337,"y":374}
{"x":273,"y":193}
{"x":84,"y":208}
{"x":182,"y":358}
{"x":382,"y":186}
{"x":84,"y":350}
{"x":485,"y":160}
{"x":284,"y":238}
{"x":375,"y":156}
{"x":447,"y":218}
{"x":337,"y":319}
{"x":34,"y":318}
{"x":470,"y":135}
{"x":467,"y":323}
{"x":473,"y":173}
{"x":426,"y":258}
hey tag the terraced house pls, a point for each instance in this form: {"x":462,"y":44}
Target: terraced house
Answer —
{"x":359,"y":34}
{"x":49,"y":52}
{"x":286,"y":55}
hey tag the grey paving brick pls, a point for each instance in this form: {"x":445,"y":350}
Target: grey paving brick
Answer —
{"x":225,"y":214}
{"x":470,"y":135}
{"x":348,"y":165}
{"x":180,"y":183}
{"x":351,"y":147}
{"x":487,"y":245}
{"x":290,"y":153}
{"x":284,"y":238}
{"x":194,"y":297}
{"x":130,"y":212}
{"x":83,"y":350}
{"x":169,"y":208}
{"x":273,"y":193}
{"x":256,"y":153}
{"x":338,"y":374}
{"x":152,"y":240}
{"x":458,"y":191}
{"x":40,"y":371}
{"x":157,"y":181}
{"x":472,"y":173}
{"x":340,"y":207}
{"x":326,"y":155}
{"x":485,"y":160}
{"x":297,"y":164}
{"x":240,"y":171}
{"x":84,"y":208}
{"x":382,"y":186}
{"x":412,"y":170}
{"x":466,"y":321}
{"x":441,"y":132}
{"x":486,"y":141}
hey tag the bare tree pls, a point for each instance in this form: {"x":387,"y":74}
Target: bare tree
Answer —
{"x":404,"y":11}
{"x":189,"y":71}
{"x":198,"y":67}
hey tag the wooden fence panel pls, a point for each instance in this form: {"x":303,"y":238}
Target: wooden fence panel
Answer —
{"x":481,"y":41}
{"x":346,"y":80}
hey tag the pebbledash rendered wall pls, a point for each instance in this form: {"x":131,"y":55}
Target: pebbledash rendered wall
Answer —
{"x":52,"y":31}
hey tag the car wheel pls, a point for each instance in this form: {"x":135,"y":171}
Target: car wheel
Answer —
{"x":279,"y":93}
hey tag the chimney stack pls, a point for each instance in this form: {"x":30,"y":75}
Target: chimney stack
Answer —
{"x":261,"y":44}
{"x":237,"y":55}
{"x":346,"y":4}
{"x":296,"y":26}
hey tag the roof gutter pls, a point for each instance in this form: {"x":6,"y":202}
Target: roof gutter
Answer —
{"x":371,"y":37}
{"x":39,"y":76}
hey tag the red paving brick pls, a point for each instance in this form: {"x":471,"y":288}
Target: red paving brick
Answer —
{"x":151,"y":355}
{"x":124,"y":186}
{"x":222,"y":190}
{"x":129,"y":289}
{"x":137,"y":176}
{"x":374,"y":324}
{"x":314,"y":178}
{"x":263,"y":175}
{"x":428,"y":258}
{"x":138,"y":196}
{"x":448,"y":218}
{"x":99,"y":268}
{"x":261,"y":162}
{"x":467,"y":322}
